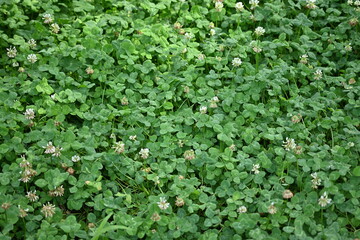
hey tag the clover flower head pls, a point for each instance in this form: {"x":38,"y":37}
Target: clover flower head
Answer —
{"x":47,"y":18}
{"x":163,"y":204}
{"x":132,"y":138}
{"x":311,"y":4}
{"x":304,"y":59}
{"x":119,"y":147}
{"x":324,"y":200}
{"x":29,"y":113}
{"x":144,"y":153}
{"x":239,"y":6}
{"x":32,"y":43}
{"x":48,"y":210}
{"x":75,"y":158}
{"x":348,"y":47}
{"x":259,"y":31}
{"x":212,"y":32}
{"x":179,"y":202}
{"x":272,"y":209}
{"x":11,"y":52}
{"x":189,"y":154}
{"x":57,"y":152}
{"x":203,"y":109}
{"x":316,"y":181}
{"x":287,"y":194}
{"x":32,"y":196}
{"x":32,"y":58}
{"x":256,"y":168}
{"x":254,"y":3}
{"x":201,"y":57}
{"x":49,"y":148}
{"x":236,"y":62}
{"x":188,"y":36}
{"x":242,"y":209}
{"x":23,"y":212}
{"x":155,"y":217}
{"x":318,"y":74}
{"x":218,"y":6}
{"x":289,"y":144}
{"x":57,"y":192}
{"x":55,"y":28}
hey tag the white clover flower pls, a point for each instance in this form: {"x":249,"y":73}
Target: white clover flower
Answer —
{"x":242,"y":209}
{"x":163,"y":204}
{"x":29,"y":113}
{"x":348,"y":47}
{"x":350,"y":2}
{"x":32,"y":196}
{"x":324,"y":200}
{"x":11,"y":52}
{"x":289,"y":144}
{"x":211,"y":25}
{"x":311,"y":4}
{"x":219,"y":6}
{"x":239,"y":6}
{"x":236,"y":62}
{"x":15,"y":64}
{"x":318,"y":74}
{"x":55,"y":28}
{"x":203,"y":109}
{"x":256,"y":168}
{"x":188,"y":36}
{"x":201,"y":57}
{"x":119,"y":147}
{"x":75,"y":158}
{"x":259,"y":31}
{"x":32,"y":43}
{"x":49,"y":148}
{"x":47,"y":18}
{"x":254,"y":3}
{"x":57,"y":152}
{"x":48,"y":210}
{"x":357,"y":3}
{"x":144,"y":153}
{"x":132,"y":138}
{"x":32,"y":58}
{"x":214,"y":101}
{"x":184,"y":50}
{"x":304,"y":59}
{"x":316,"y":181}
{"x":212,"y":32}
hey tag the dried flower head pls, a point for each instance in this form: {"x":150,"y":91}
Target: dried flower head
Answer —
{"x":352,"y":81}
{"x":232,"y":147}
{"x":89,"y":70}
{"x":48,"y":210}
{"x":23,"y":212}
{"x":11,"y":52}
{"x":272,"y":209}
{"x":179,"y":202}
{"x":57,"y":192}
{"x":163,"y":204}
{"x":296,"y":118}
{"x":5,"y":205}
{"x":177,"y":25}
{"x":155,"y":217}
{"x":119,"y":147}
{"x":287,"y":194}
{"x":353,"y":21}
{"x":181,"y":177}
{"x":298,"y":149}
{"x":70,"y":170}
{"x":32,"y":196}
{"x":124,"y":101}
{"x":189,"y":154}
{"x":242,"y":209}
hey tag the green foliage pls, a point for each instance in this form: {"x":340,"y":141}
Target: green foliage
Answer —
{"x":179,"y":119}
